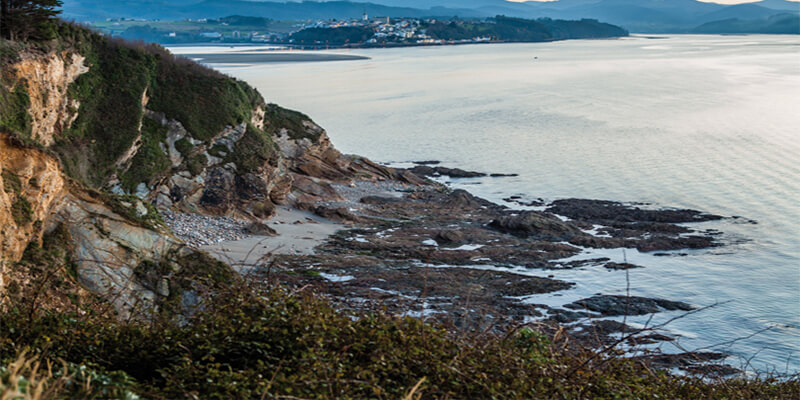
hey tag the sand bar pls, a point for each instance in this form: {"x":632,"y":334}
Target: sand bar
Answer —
{"x":264,"y":58}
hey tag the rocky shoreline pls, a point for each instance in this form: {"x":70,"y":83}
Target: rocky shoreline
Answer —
{"x":428,"y":251}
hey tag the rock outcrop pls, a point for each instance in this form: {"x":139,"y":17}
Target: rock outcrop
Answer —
{"x":103,"y":172}
{"x":110,"y":237}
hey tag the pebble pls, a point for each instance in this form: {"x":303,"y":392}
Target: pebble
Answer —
{"x":199,"y":230}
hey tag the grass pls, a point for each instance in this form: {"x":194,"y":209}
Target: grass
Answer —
{"x":150,"y":161}
{"x":253,"y":150}
{"x":110,"y":111}
{"x":11,"y":182}
{"x":28,"y":378}
{"x":21,"y":211}
{"x":203,"y":100}
{"x":14,"y":116}
{"x":125,"y":205}
{"x":196,"y":163}
{"x":245,"y":343}
{"x":184,"y":146}
{"x":121,"y":75}
{"x":278,"y":118}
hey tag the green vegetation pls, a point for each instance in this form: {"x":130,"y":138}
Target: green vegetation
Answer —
{"x":243,"y":343}
{"x":53,"y":252}
{"x":21,"y":211}
{"x":28,"y":20}
{"x":150,"y":162}
{"x":184,"y":146}
{"x":277,"y":118}
{"x":334,"y":36}
{"x":253,"y":150}
{"x":111,"y":107}
{"x":122,"y":76}
{"x":126,"y":206}
{"x":14,"y":116}
{"x":195,"y":163}
{"x":11,"y":182}
{"x":204,"y":100}
{"x":218,"y":150}
{"x":234,"y":28}
{"x":523,"y":30}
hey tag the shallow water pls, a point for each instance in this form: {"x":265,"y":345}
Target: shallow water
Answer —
{"x":704,"y":122}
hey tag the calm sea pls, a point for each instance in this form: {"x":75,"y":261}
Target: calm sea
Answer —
{"x":704,"y":122}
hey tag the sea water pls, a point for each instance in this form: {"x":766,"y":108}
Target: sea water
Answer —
{"x":704,"y":122}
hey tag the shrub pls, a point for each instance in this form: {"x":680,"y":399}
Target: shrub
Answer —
{"x":244,"y":343}
{"x":150,"y":161}
{"x":253,"y":150}
{"x":21,"y":211}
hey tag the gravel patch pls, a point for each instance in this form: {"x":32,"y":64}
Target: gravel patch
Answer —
{"x":198,"y":230}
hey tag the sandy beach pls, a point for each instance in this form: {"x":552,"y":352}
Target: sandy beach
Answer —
{"x":298,"y":233}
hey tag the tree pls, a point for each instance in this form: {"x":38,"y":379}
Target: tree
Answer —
{"x":22,"y":20}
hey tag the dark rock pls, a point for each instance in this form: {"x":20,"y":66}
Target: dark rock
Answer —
{"x":532,"y":285}
{"x":430,"y":162}
{"x":712,"y":370}
{"x":424,"y":170}
{"x":218,"y":192}
{"x":518,"y":200}
{"x":261,"y":229}
{"x":605,"y":327}
{"x":458,"y":173}
{"x":566,"y":316}
{"x":613,"y":265}
{"x":461,"y":199}
{"x":250,"y":187}
{"x":449,"y":236}
{"x":697,"y":363}
{"x":602,"y":211}
{"x":340,"y":214}
{"x":379,"y":200}
{"x":672,"y":243}
{"x":650,"y":339}
{"x":535,"y":225}
{"x":622,"y":305}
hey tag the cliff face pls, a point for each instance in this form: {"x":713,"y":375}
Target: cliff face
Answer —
{"x":32,"y":184}
{"x":47,"y":80}
{"x":89,"y":149}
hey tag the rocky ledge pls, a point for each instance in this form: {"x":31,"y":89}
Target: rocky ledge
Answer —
{"x":429,"y":251}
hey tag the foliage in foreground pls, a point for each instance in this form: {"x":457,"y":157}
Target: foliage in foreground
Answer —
{"x":245,"y":345}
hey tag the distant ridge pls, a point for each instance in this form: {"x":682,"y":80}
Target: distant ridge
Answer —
{"x":646,"y":16}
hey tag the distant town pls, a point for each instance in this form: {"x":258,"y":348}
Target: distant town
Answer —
{"x":365,"y":31}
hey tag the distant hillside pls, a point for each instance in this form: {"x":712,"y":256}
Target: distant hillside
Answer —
{"x":97,"y":10}
{"x":522,"y":30}
{"x":777,"y":24}
{"x":656,"y":16}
